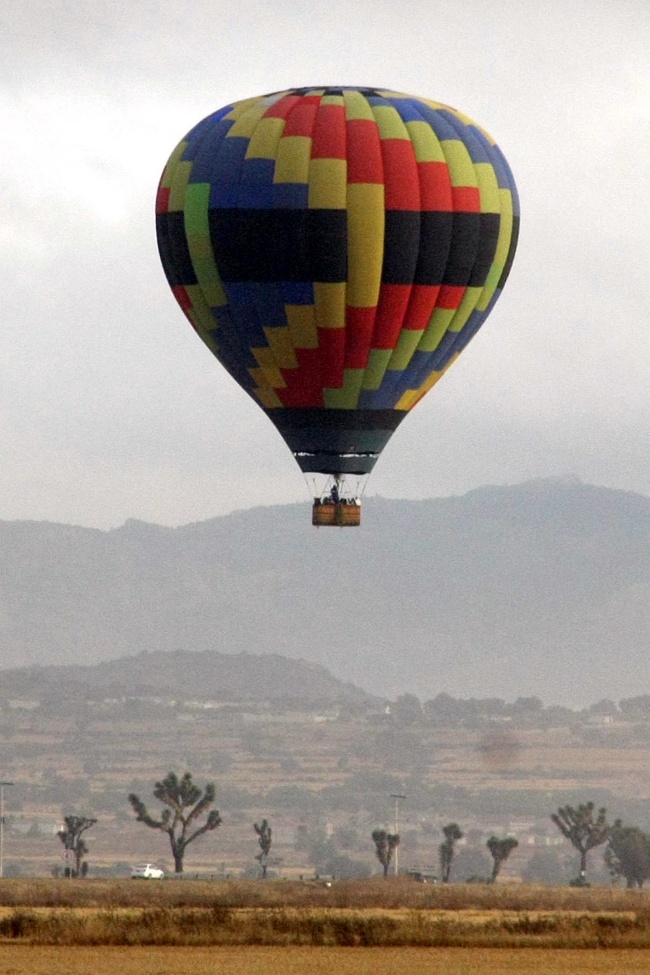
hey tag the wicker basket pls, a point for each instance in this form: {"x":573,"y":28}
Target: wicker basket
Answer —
{"x":343,"y":514}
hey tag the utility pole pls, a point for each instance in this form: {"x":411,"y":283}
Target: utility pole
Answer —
{"x":2,"y":823}
{"x":397,"y":796}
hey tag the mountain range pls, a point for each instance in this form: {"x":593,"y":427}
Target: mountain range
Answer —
{"x":541,"y":589}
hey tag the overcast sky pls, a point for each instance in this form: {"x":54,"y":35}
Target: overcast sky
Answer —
{"x":111,"y":408}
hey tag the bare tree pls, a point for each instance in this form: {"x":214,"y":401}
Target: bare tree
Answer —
{"x":264,"y":833}
{"x":385,"y":844}
{"x":446,"y":849}
{"x":185,"y":803}
{"x":71,"y":835}
{"x":583,"y":829}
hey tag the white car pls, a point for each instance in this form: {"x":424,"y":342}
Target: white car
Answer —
{"x":148,"y":870}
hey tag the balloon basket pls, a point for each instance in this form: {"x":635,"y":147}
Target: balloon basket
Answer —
{"x":343,"y":514}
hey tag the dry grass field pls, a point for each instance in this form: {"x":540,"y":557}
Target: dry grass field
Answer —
{"x":371,"y":927}
{"x":369,"y":915}
{"x":373,"y":893}
{"x":37,"y":960}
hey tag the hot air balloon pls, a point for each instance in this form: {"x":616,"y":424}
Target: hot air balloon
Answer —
{"x":336,"y":248}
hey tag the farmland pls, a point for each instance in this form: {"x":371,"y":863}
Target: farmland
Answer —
{"x":321,"y":773}
{"x":350,"y":927}
{"x":35,"y":960}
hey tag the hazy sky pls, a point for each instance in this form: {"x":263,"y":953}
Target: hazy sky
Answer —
{"x":111,"y":408}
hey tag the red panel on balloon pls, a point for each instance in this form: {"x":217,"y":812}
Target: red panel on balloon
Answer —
{"x":303,"y":387}
{"x":162,"y":199}
{"x":435,"y":186}
{"x":329,"y":136}
{"x":421,"y":306}
{"x":466,"y":199}
{"x":331,"y":345}
{"x":282,"y":108}
{"x":400,"y":175}
{"x":391,"y":309}
{"x":301,"y":119}
{"x":364,"y":152}
{"x":450,"y":296}
{"x":359,"y":328}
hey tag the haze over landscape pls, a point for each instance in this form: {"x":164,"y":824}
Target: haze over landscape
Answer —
{"x":538,"y":589}
{"x":113,"y":416}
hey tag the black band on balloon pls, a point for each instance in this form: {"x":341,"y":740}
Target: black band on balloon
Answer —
{"x":330,"y":441}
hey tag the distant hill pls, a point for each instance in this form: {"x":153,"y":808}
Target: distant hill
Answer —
{"x":183,"y":675}
{"x":538,"y":589}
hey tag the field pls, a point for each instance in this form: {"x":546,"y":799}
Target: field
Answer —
{"x":68,"y":927}
{"x":354,"y":914}
{"x":28,"y":960}
{"x":309,"y":769}
{"x":373,"y":894}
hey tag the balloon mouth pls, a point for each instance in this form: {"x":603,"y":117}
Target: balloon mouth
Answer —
{"x":336,"y":441}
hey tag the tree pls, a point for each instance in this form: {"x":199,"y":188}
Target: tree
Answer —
{"x":636,"y":708}
{"x":546,"y":866}
{"x":385,"y":845}
{"x":605,"y":707}
{"x":500,"y":849}
{"x":323,"y":854}
{"x":186,"y":803}
{"x":527,"y":706}
{"x":407,"y":710}
{"x":71,"y":835}
{"x":582,"y":830}
{"x":446,"y":849}
{"x":470,"y":862}
{"x":628,"y":854}
{"x":264,"y":832}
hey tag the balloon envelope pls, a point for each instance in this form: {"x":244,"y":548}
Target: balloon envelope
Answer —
{"x":336,"y":249}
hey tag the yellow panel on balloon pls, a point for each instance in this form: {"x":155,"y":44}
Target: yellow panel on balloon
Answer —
{"x":265,"y":139}
{"x":302,"y":325}
{"x":292,"y":162}
{"x":329,"y":301}
{"x":366,"y":220}
{"x":328,"y":188}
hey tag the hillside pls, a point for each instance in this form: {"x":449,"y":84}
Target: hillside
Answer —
{"x":540,"y":588}
{"x":182,"y":675}
{"x":325,"y":776}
